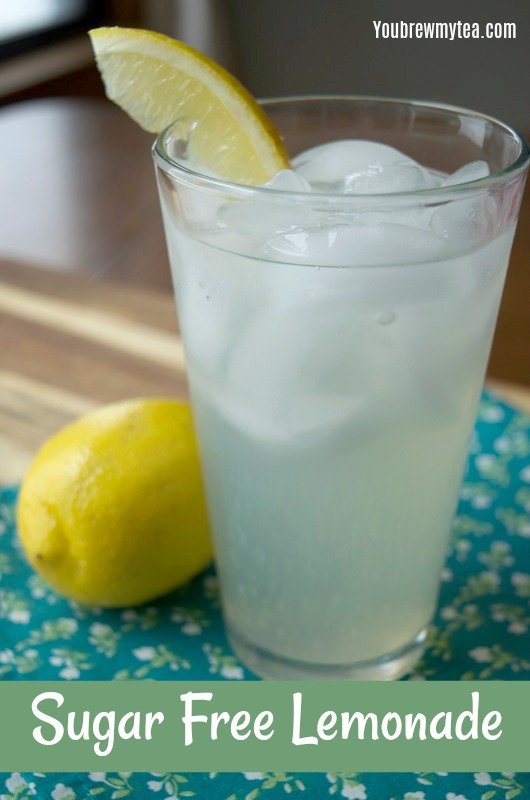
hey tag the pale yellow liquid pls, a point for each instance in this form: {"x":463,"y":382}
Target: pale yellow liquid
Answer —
{"x":334,"y":408}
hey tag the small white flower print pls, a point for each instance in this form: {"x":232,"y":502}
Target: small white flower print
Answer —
{"x":15,"y":783}
{"x":492,"y":414}
{"x":191,"y":629}
{"x":71,"y":661}
{"x":192,"y":621}
{"x":414,"y":796}
{"x":20,"y":616}
{"x":518,"y":627}
{"x":463,"y":548}
{"x":502,"y":444}
{"x":484,"y":461}
{"x":525,"y":474}
{"x":99,"y":628}
{"x":223,"y":663}
{"x":254,"y":776}
{"x":104,"y":638}
{"x":482,"y":778}
{"x":481,"y":501}
{"x":232,"y":672}
{"x":62,"y":792}
{"x":521,"y":581}
{"x":453,"y":796}
{"x":482,"y":655}
{"x":170,"y":782}
{"x":144,"y":653}
{"x":17,"y":786}
{"x":69,"y":673}
{"x":354,"y":792}
{"x":346,"y":785}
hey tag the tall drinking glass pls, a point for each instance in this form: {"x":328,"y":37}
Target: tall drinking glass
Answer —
{"x":336,"y":347}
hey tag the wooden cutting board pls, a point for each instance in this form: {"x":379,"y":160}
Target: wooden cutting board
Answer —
{"x":69,"y":343}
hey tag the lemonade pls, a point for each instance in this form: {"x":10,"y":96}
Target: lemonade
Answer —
{"x":333,"y":439}
{"x":337,"y":326}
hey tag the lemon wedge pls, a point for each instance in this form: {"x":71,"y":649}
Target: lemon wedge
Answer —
{"x":158,"y":80}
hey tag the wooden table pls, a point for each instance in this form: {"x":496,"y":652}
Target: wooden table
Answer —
{"x":86,"y":311}
{"x":78,"y":192}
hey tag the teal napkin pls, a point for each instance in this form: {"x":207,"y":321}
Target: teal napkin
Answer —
{"x":481,"y":631}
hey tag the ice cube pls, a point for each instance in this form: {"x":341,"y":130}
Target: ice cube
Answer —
{"x":473,"y":171}
{"x":215,"y":292}
{"x":260,"y":215}
{"x":354,"y":166}
{"x":297,"y":373}
{"x":357,"y":245}
{"x":287,"y":180}
{"x":465,"y":223}
{"x":327,"y":353}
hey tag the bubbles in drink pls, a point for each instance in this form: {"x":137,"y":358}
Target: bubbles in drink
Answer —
{"x":386,"y":317}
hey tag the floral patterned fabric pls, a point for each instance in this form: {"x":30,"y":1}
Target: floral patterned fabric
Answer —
{"x":267,"y":786}
{"x":481,"y":631}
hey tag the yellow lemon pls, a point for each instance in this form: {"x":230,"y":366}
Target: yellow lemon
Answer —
{"x":112,"y":510}
{"x":158,"y":80}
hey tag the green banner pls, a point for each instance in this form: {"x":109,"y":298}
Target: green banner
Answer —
{"x":264,"y":726}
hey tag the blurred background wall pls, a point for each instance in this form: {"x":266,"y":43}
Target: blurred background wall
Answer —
{"x":331,"y":47}
{"x":280,"y":47}
{"x":308,"y":46}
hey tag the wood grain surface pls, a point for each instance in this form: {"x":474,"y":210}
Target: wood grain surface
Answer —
{"x":69,"y":344}
{"x":78,"y":191}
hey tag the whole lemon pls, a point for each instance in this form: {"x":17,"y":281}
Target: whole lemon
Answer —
{"x":112,"y":510}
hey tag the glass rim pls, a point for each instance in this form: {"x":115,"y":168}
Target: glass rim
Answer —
{"x":176,"y":168}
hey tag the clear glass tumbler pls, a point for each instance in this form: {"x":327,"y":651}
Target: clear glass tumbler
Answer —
{"x":336,"y":347}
